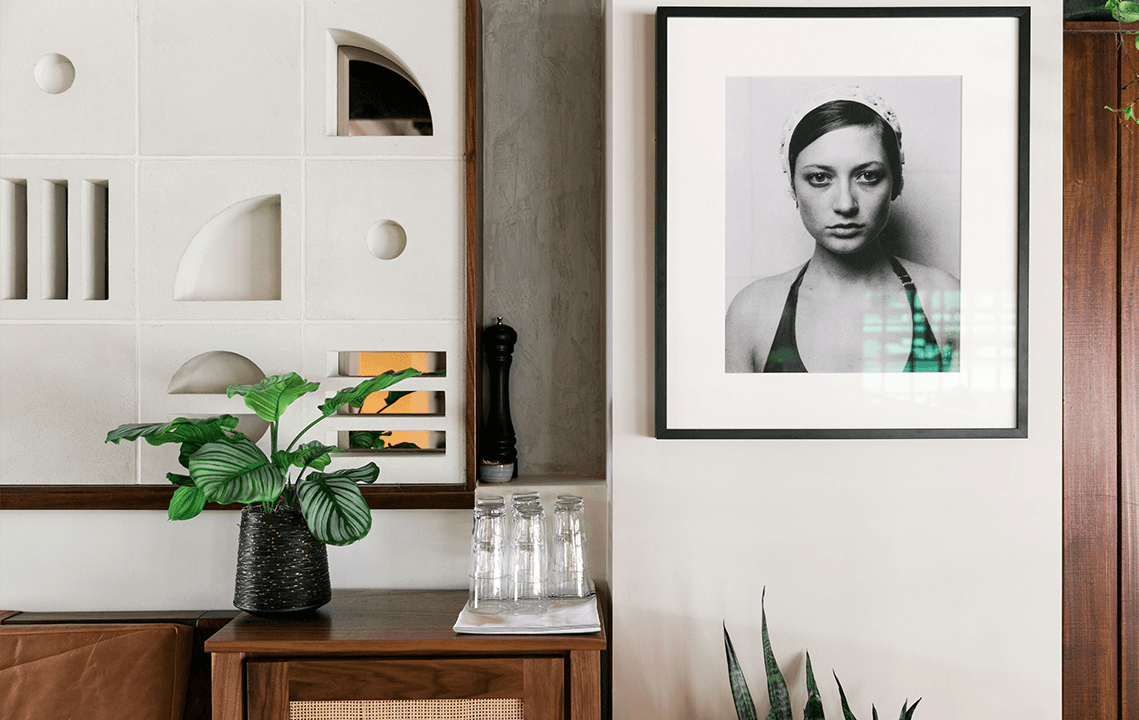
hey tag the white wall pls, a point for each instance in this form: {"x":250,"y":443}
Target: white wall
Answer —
{"x":911,"y":567}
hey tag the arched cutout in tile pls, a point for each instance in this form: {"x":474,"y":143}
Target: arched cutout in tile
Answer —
{"x":371,"y":90}
{"x":211,"y":373}
{"x":236,"y":255}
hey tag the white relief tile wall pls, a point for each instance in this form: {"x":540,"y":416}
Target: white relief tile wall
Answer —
{"x":345,"y":198}
{"x":180,"y":198}
{"x":233,"y":228}
{"x":275,"y":348}
{"x":426,"y":38}
{"x":95,"y":115}
{"x":219,"y":77}
{"x":85,"y":222}
{"x":324,"y":341}
{"x":59,"y":385}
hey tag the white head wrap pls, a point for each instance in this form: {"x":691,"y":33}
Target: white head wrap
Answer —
{"x":838,"y":92}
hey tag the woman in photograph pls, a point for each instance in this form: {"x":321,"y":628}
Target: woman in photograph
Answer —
{"x":852,"y":307}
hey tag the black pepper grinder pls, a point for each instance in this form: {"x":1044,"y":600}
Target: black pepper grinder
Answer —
{"x":499,"y":461}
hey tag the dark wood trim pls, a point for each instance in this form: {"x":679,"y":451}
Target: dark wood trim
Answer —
{"x":91,"y":497}
{"x":1129,"y":396}
{"x":1095,"y":553}
{"x":474,"y":238}
{"x":157,"y":497}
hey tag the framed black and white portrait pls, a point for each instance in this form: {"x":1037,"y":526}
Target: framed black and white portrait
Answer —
{"x":842,"y":244}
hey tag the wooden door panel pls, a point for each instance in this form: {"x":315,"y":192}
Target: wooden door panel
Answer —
{"x":266,"y":690}
{"x":1091,"y":539}
{"x":545,"y":697}
{"x":405,"y":679}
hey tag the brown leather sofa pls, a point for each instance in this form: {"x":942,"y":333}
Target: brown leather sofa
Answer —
{"x":102,"y":670}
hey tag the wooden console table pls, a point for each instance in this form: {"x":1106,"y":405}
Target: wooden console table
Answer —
{"x":396,"y":646}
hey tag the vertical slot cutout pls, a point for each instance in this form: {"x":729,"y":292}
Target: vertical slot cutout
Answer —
{"x":53,"y":235}
{"x":93,"y":250}
{"x":13,"y":239}
{"x":371,"y":363}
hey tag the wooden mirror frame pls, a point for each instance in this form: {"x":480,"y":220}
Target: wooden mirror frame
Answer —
{"x":423,"y":496}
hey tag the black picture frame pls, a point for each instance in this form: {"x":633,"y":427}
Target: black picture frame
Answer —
{"x":699,"y":51}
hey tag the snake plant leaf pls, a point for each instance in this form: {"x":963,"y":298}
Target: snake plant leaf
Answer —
{"x":874,"y":712}
{"x":776,"y":686}
{"x":355,"y":396}
{"x":334,"y":507}
{"x":745,"y":708}
{"x":313,"y":454}
{"x":814,"y":708}
{"x":846,"y":713}
{"x":907,"y":714}
{"x":271,"y":396}
{"x":234,"y":470}
{"x":187,"y":502}
{"x":201,"y":430}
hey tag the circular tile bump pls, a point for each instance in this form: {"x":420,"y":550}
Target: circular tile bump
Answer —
{"x":54,"y":73}
{"x":386,"y":239}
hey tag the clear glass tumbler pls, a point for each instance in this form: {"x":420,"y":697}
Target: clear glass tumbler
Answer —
{"x":528,"y":549}
{"x":569,"y":552}
{"x":489,"y":572}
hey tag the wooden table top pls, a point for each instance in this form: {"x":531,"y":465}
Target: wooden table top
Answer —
{"x":386,"y":622}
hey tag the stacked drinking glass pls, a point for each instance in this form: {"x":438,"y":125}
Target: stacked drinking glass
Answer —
{"x":516,"y":566}
{"x":490,"y":581}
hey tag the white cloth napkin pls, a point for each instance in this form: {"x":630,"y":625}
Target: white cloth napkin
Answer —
{"x":562,"y":617}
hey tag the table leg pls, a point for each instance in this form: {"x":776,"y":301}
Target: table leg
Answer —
{"x":228,"y":686}
{"x":585,"y":684}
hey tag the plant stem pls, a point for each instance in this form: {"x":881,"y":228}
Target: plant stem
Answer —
{"x":302,"y":432}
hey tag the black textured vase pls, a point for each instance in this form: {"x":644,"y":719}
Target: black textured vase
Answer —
{"x":281,"y":568}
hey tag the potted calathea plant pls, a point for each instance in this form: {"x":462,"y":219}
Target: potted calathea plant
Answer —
{"x":293,"y":508}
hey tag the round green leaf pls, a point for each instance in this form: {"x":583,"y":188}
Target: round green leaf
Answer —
{"x":235,"y":470}
{"x":333,"y":505}
{"x":271,"y":396}
{"x":187,"y":502}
